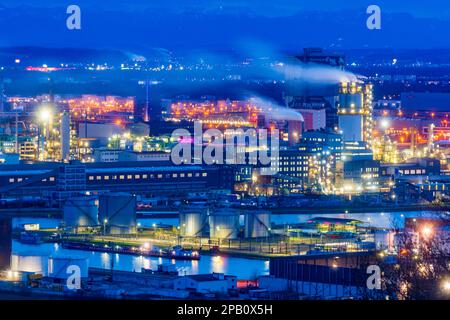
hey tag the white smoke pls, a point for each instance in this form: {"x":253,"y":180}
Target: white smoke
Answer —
{"x":313,"y":73}
{"x":274,"y":111}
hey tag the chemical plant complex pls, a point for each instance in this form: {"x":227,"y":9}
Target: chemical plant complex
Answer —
{"x":292,"y":176}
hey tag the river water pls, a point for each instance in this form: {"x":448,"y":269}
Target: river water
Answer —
{"x":35,"y":257}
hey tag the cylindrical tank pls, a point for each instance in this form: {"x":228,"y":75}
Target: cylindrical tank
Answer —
{"x":257,"y":224}
{"x":81,"y":212}
{"x":193,"y":221}
{"x":61,"y":267}
{"x":30,"y":262}
{"x":224,"y":223}
{"x":117,"y":213}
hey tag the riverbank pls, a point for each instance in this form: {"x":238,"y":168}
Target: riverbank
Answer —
{"x":351,"y":208}
{"x":360,"y":209}
{"x":32,"y":212}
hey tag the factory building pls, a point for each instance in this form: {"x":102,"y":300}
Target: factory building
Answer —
{"x":326,"y":275}
{"x":141,"y":177}
{"x":293,"y":168}
{"x":302,"y":94}
{"x":361,"y":175}
{"x":355,"y":112}
{"x":207,"y":283}
{"x":314,"y":119}
{"x":414,"y":168}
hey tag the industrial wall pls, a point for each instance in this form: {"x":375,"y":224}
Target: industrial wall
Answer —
{"x":5,"y":243}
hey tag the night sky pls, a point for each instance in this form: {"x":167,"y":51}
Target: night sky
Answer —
{"x":224,"y":24}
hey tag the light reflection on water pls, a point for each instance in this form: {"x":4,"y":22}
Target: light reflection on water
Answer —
{"x":377,"y":219}
{"x":242,"y":268}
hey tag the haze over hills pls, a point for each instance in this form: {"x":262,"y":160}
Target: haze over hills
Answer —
{"x":220,"y":25}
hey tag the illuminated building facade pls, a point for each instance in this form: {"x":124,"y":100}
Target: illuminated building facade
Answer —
{"x":355,"y":112}
{"x":92,"y":107}
{"x":220,"y":113}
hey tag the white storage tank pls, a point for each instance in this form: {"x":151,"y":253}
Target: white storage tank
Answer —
{"x":81,"y":212}
{"x":224,"y":223}
{"x":61,"y":267}
{"x":193,"y":221}
{"x":117,"y":213}
{"x":256,"y":223}
{"x":30,"y":262}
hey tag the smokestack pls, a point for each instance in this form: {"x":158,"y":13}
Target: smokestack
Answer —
{"x":261,"y":122}
{"x":431,"y":137}
{"x":65,"y":136}
{"x":294,"y":131}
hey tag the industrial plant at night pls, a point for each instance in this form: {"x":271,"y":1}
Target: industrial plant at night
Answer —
{"x":257,"y":167}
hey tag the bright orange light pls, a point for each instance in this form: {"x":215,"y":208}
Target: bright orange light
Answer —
{"x":427,"y":231}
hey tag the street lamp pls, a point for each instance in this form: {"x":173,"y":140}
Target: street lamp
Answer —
{"x":446,"y":286}
{"x":44,"y":115}
{"x":105,"y":222}
{"x":427,"y":231}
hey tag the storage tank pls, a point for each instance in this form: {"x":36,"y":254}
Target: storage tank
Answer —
{"x":30,"y":262}
{"x":81,"y":212}
{"x":256,"y":224}
{"x":117,"y":213}
{"x":193,"y":221}
{"x":61,"y":267}
{"x":224,"y":223}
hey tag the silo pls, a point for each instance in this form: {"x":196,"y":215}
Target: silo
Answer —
{"x":117,"y":213}
{"x":257,"y":223}
{"x":62,"y":267}
{"x":193,"y":221}
{"x":81,"y":212}
{"x":224,"y":223}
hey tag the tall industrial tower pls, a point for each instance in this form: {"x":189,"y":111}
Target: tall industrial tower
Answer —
{"x":355,"y":112}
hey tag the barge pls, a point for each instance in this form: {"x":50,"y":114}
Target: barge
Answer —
{"x":177,"y":252}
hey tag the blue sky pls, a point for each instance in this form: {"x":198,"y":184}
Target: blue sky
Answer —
{"x":222,"y":24}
